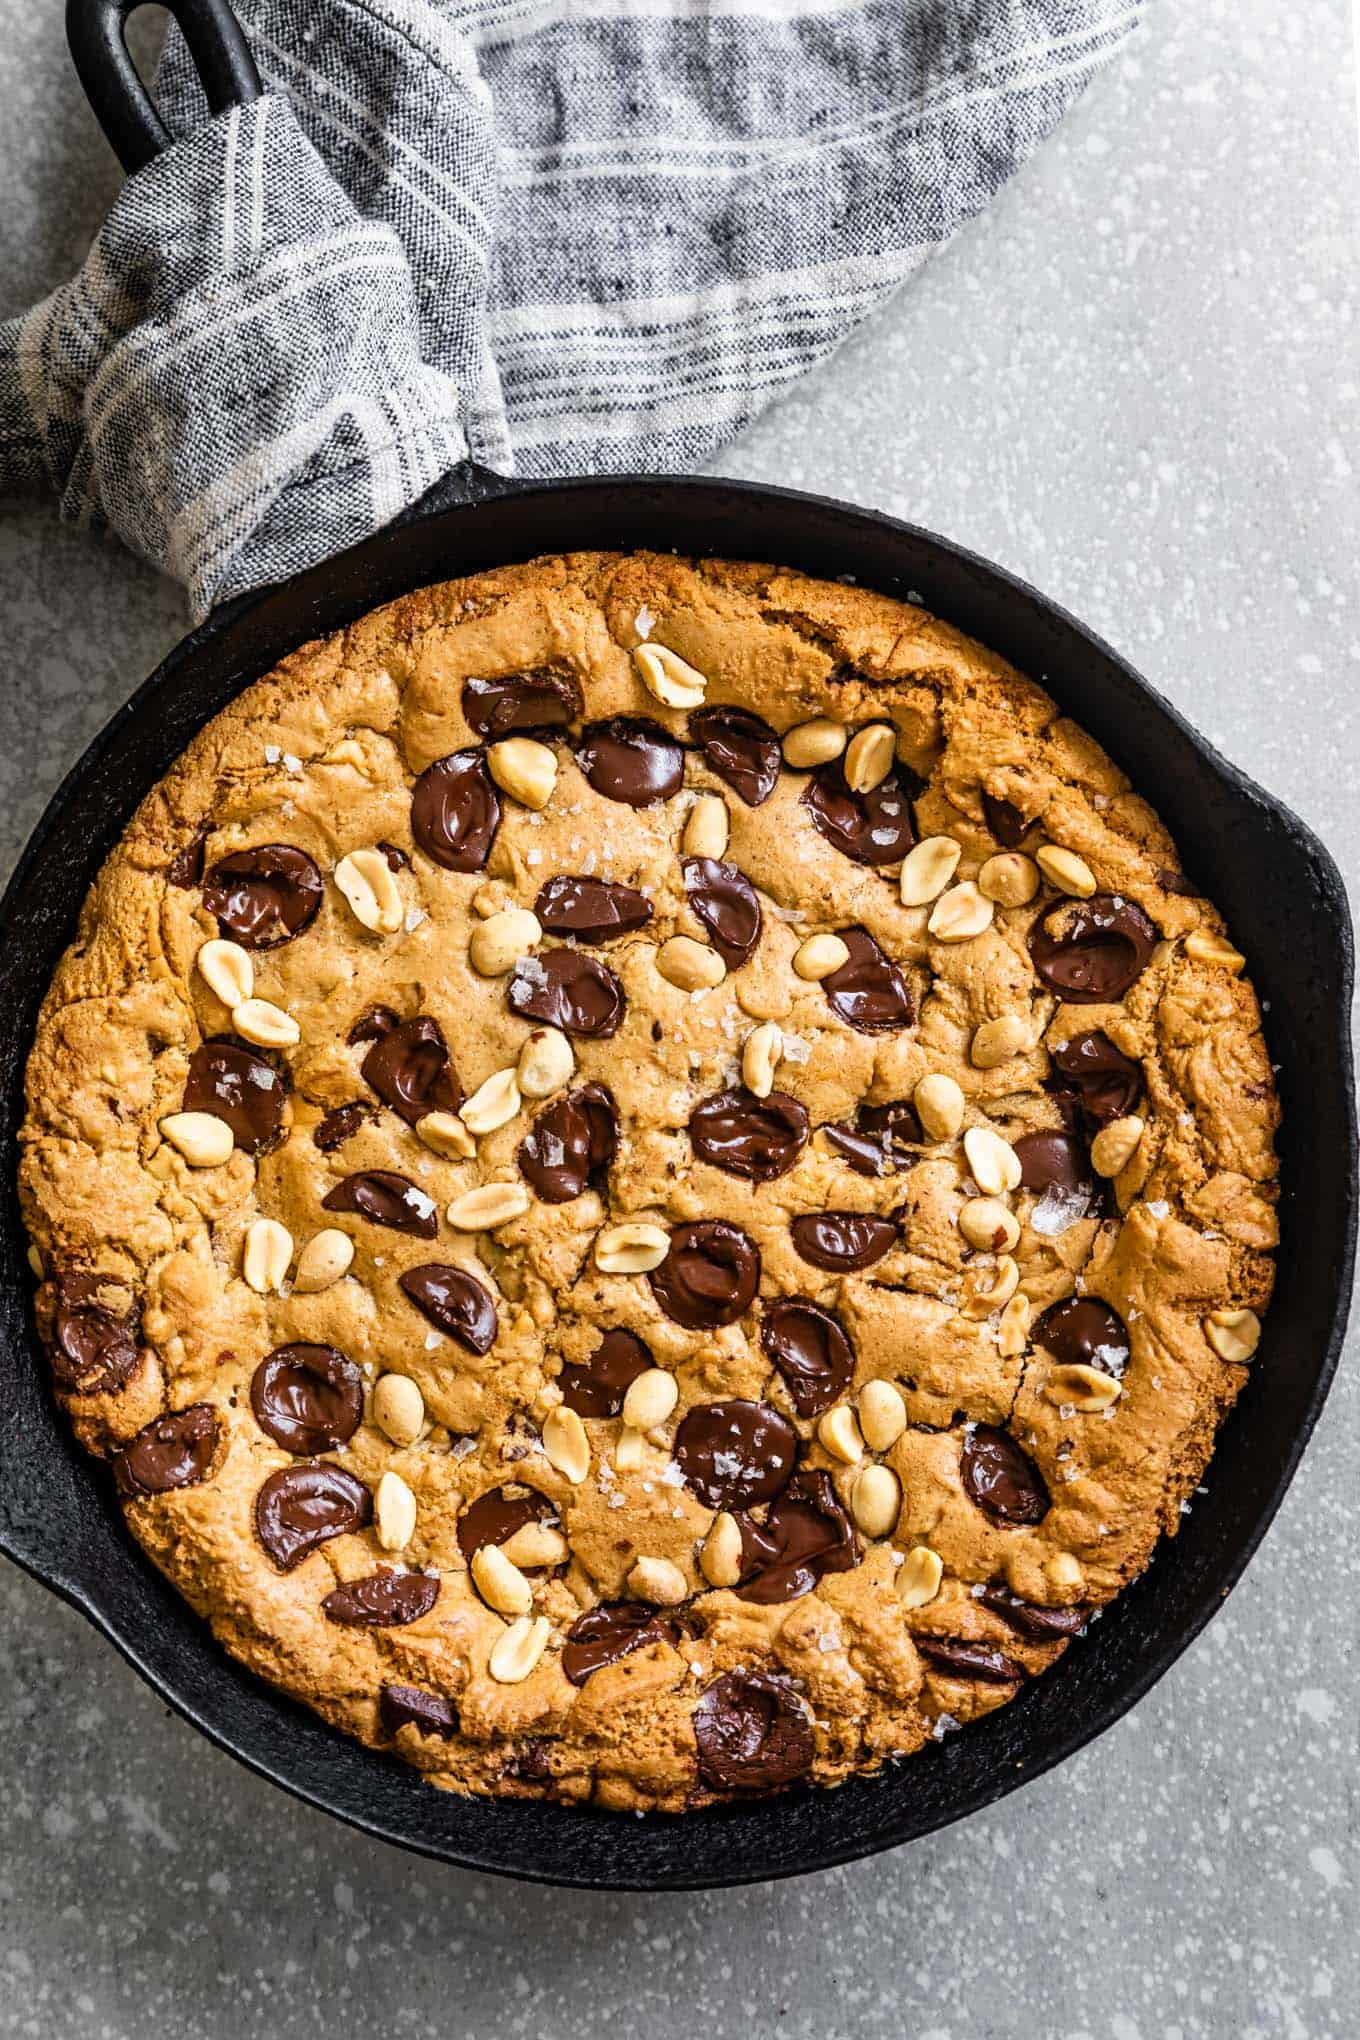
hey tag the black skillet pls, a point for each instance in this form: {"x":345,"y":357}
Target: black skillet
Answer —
{"x":1283,"y":899}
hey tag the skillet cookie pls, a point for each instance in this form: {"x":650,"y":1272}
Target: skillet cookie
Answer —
{"x":651,"y":1177}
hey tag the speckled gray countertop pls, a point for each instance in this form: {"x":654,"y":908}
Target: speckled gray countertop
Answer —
{"x":1135,"y":381}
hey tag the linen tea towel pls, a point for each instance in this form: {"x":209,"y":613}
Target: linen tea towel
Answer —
{"x":563,"y":235}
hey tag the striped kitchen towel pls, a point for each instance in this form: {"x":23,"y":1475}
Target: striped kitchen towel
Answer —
{"x":566,"y":236}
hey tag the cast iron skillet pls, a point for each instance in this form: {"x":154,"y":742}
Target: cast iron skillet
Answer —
{"x":1283,"y":899}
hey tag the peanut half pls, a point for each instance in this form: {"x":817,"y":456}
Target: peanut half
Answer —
{"x":928,"y":868}
{"x":325,"y":1258}
{"x":1065,"y":870}
{"x":488,"y":1206}
{"x":707,"y":827}
{"x":660,"y":1581}
{"x":398,"y":1408}
{"x":819,"y":956}
{"x":839,"y":1434}
{"x":266,"y":1255}
{"x":939,"y":1107}
{"x":267,"y":1026}
{"x":960,"y":914}
{"x":1078,"y":1387}
{"x":760,"y":1056}
{"x":518,"y":1649}
{"x":394,"y":1513}
{"x":875,"y":1500}
{"x":668,"y":678}
{"x":1233,"y":1334}
{"x":634,"y":1248}
{"x":546,"y":1062}
{"x":496,"y":944}
{"x":993,"y":1161}
{"x":492,"y":1104}
{"x":882,"y":1414}
{"x":204,"y":1140}
{"x":227,"y":970}
{"x":720,"y":1559}
{"x":814,"y":743}
{"x":650,"y":1399}
{"x":500,"y":1582}
{"x":365,"y":878}
{"x":525,"y":769}
{"x":689,"y":965}
{"x":565,"y":1444}
{"x":918,"y":1577}
{"x":869,"y":757}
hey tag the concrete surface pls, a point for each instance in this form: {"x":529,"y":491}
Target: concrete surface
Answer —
{"x":1135,"y":381}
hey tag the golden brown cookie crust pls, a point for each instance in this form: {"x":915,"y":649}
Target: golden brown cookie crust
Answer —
{"x":322,"y":755}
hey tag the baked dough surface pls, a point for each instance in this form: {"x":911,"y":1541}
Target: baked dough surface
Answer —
{"x":1038,"y":1505}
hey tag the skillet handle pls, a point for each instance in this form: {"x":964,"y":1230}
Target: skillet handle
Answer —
{"x":96,"y":35}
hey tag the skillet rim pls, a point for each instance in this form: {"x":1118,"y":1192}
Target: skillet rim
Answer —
{"x":1009,"y":1723}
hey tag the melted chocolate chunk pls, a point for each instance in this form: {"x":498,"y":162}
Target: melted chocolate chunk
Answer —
{"x":753,"y":1734}
{"x":340,"y":1125}
{"x":495,"y":1517}
{"x":532,"y":1764}
{"x":1003,"y":1481}
{"x":456,"y":811}
{"x":873,"y":828}
{"x":960,"y":1660}
{"x":811,"y":1350}
{"x":264,"y":896}
{"x":740,"y":748}
{"x":544,"y":698}
{"x":1105,"y":1082}
{"x":880,"y":1139}
{"x":596,"y":1388}
{"x":725,"y":901}
{"x":1083,"y":1332}
{"x":308,"y":1399}
{"x":372,"y":1024}
{"x":397,"y":860}
{"x":612,"y":1631}
{"x":755,"y":1138}
{"x":1177,"y":882}
{"x":1091,"y":951}
{"x":385,"y":1198}
{"x":631,"y":759}
{"x":571,"y":1144}
{"x":1027,"y":1619}
{"x":1005,"y":821}
{"x":185,"y":869}
{"x":807,"y":1533}
{"x":843,"y":1241}
{"x":234,"y":1083}
{"x":709,"y":1276}
{"x":869,"y":992}
{"x":173,"y":1451}
{"x":734,"y":1454}
{"x":95,"y":1349}
{"x":455,"y":1302}
{"x":301,"y":1507}
{"x":1061,"y":1163}
{"x":409,"y":1707}
{"x":409,"y":1068}
{"x":592,"y":909}
{"x":567,"y":990}
{"x":385,"y":1600}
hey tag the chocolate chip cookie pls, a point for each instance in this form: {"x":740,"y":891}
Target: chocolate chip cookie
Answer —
{"x":652,"y":1177}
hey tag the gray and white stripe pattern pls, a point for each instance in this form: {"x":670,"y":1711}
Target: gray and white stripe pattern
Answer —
{"x":565,"y":235}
